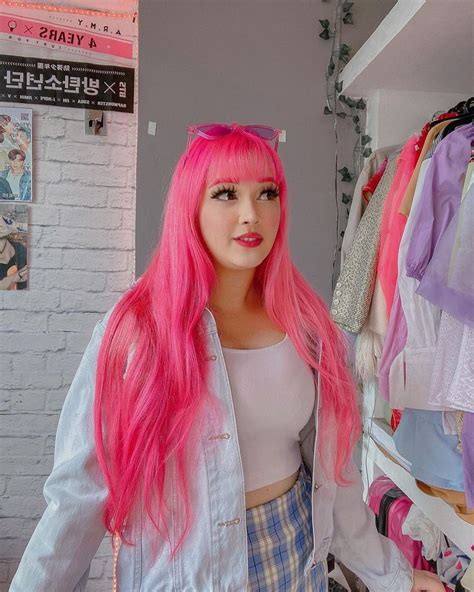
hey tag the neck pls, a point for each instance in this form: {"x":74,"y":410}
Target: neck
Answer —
{"x":234,"y":292}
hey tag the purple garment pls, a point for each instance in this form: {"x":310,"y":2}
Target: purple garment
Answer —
{"x":440,"y":198}
{"x":467,"y":441}
{"x":448,"y":281}
{"x":395,"y":341}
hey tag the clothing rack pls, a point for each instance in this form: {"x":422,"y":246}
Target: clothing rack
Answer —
{"x":417,"y":62}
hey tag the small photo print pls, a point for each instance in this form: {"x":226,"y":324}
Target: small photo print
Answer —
{"x":16,"y":161}
{"x":13,"y":246}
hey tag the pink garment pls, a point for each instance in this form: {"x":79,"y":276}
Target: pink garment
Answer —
{"x":394,"y":343}
{"x":273,"y":393}
{"x":393,"y":223}
{"x":397,"y":513}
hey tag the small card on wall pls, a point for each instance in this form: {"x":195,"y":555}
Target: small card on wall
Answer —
{"x":16,"y":159}
{"x":13,"y":246}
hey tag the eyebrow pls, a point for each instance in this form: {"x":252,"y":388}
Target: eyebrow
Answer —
{"x":236,"y":181}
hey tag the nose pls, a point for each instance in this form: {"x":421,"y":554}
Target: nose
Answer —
{"x":249,"y":213}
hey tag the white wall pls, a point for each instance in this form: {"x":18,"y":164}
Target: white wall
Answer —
{"x":81,"y":259}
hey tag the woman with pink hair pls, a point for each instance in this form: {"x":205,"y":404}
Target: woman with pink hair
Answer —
{"x":211,"y":423}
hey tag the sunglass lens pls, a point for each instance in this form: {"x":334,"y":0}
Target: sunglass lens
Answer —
{"x":267,"y":133}
{"x":214,"y":130}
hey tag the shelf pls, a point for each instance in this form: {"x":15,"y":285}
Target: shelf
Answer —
{"x":461,"y":533}
{"x":421,"y":45}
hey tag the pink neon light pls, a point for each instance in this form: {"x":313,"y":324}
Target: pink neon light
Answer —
{"x":78,"y":38}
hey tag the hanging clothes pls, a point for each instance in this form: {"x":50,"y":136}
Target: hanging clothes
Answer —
{"x":358,"y":203}
{"x":450,"y":283}
{"x":393,"y":223}
{"x":435,"y":457}
{"x":430,"y":140}
{"x":408,"y":363}
{"x":354,"y":288}
{"x":448,"y":280}
{"x":369,"y":189}
{"x":467,"y":442}
{"x":440,"y":198}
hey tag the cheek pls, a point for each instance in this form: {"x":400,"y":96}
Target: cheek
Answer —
{"x":212,"y":225}
{"x":274,"y":220}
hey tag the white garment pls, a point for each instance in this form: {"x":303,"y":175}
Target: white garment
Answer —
{"x":452,"y":381}
{"x":420,"y":528}
{"x":273,"y":394}
{"x":411,"y":371}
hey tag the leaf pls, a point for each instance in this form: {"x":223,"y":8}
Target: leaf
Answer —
{"x":356,"y":119}
{"x":338,"y":86}
{"x":357,"y":129}
{"x":350,"y":102}
{"x":343,"y":98}
{"x":343,"y":171}
{"x":365,"y":140}
{"x":324,"y":23}
{"x":324,"y":34}
{"x":346,"y":198}
{"x":360,"y":104}
{"x":347,"y":6}
{"x":342,"y":232}
{"x":327,"y":111}
{"x":341,"y":114}
{"x":347,"y":19}
{"x":367,"y":152}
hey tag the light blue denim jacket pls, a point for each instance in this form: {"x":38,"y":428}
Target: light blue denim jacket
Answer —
{"x":214,"y":556}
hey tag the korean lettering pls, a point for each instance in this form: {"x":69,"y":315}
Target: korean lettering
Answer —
{"x":14,"y":79}
{"x":91,"y":86}
{"x":72,"y":84}
{"x":54,"y":83}
{"x":33,"y":83}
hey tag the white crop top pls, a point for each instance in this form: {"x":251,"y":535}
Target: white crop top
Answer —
{"x":273,"y":394}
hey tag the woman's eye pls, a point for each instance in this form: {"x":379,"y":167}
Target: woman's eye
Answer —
{"x":223,"y":195}
{"x":270,"y":193}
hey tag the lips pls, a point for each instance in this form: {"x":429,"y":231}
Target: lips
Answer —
{"x":249,"y":239}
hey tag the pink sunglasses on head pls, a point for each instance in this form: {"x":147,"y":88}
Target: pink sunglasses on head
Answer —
{"x":214,"y":131}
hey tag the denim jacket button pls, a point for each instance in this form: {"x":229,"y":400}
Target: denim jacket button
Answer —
{"x":212,"y":358}
{"x":316,"y":487}
{"x":229,"y":522}
{"x":225,"y":436}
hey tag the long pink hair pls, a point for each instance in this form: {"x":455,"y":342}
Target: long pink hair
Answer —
{"x":152,"y":371}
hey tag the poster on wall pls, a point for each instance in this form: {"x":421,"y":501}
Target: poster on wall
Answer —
{"x":70,"y":58}
{"x":16,"y":162}
{"x":66,"y":84}
{"x":79,"y":35}
{"x":13,"y":246}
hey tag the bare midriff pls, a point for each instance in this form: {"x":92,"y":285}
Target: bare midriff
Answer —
{"x":269,"y":492}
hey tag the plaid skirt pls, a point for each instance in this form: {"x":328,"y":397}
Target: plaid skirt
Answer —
{"x":280,"y":540}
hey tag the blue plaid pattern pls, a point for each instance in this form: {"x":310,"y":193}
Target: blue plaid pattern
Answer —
{"x":280,"y":541}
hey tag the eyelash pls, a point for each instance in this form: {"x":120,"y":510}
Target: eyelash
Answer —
{"x":270,"y":190}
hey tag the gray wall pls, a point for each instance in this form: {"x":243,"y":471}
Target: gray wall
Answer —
{"x":258,"y":61}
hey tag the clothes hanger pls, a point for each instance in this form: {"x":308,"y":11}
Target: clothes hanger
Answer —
{"x":456,"y":123}
{"x":466,"y":115}
{"x":460,"y":110}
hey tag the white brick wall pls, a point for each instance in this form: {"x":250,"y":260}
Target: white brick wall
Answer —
{"x":81,"y":258}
